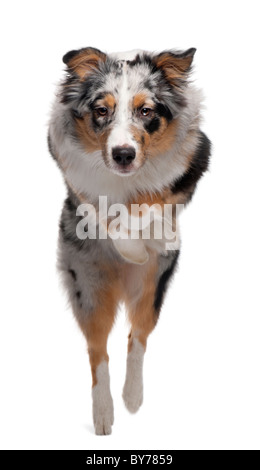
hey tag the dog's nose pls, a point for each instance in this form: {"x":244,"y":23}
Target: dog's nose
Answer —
{"x":123,"y":155}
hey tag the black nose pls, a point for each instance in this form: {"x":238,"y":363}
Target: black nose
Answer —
{"x":123,"y":155}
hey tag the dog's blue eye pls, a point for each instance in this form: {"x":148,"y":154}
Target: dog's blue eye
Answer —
{"x":102,"y":111}
{"x":145,"y":111}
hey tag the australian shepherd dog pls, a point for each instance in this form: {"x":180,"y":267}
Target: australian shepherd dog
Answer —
{"x":124,"y":127}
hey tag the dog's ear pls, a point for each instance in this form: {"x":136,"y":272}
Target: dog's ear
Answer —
{"x":84,"y":61}
{"x":175,"y":65}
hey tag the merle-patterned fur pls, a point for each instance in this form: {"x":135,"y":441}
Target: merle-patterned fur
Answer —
{"x":82,"y":94}
{"x":174,"y":171}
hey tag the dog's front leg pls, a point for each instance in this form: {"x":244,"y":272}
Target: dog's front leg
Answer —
{"x":143,"y":311}
{"x":143,"y":319}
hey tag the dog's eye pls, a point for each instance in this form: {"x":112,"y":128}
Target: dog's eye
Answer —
{"x":146,"y":111}
{"x":102,"y":111}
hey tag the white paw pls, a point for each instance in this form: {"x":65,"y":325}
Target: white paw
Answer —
{"x":103,"y":415}
{"x":133,"y":396}
{"x":103,"y":410}
{"x":133,"y":388}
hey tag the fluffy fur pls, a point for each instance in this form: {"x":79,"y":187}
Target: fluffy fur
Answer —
{"x":125,"y":126}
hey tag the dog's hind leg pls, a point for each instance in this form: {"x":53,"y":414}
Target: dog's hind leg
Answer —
{"x":92,"y":286}
{"x":96,"y":327}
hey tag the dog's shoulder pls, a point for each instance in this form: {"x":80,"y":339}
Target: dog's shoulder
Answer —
{"x":198,"y":165}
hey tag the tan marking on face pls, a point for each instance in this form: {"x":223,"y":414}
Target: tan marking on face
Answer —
{"x":157,"y":143}
{"x":86,"y":134}
{"x":109,"y":101}
{"x":162,"y":140}
{"x":139,"y":100}
{"x":89,"y":139}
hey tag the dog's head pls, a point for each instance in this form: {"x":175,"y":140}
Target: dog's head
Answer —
{"x":127,"y":108}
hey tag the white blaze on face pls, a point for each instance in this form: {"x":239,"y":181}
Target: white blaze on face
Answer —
{"x":121,"y":135}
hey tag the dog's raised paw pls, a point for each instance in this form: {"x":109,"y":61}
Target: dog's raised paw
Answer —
{"x":133,"y":396}
{"x":133,"y":388}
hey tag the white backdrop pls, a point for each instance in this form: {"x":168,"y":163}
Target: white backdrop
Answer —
{"x":202,"y":383}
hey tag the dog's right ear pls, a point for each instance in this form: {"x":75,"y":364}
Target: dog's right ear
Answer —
{"x":84,"y":61}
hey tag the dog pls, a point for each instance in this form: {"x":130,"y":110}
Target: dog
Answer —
{"x":125,"y":126}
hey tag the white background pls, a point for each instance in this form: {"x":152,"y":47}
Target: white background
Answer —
{"x":202,"y":383}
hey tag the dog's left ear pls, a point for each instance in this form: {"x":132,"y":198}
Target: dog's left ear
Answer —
{"x":175,"y":64}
